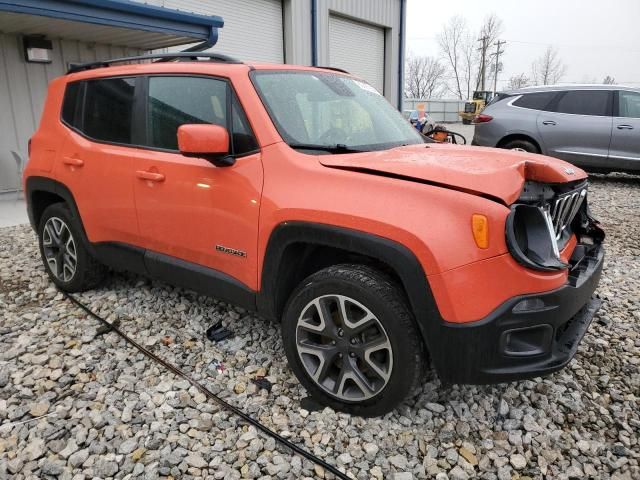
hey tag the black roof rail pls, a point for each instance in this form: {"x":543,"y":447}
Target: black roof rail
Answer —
{"x":333,"y":68}
{"x":162,"y":57}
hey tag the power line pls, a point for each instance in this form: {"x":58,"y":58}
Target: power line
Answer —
{"x":569,"y":45}
{"x":547,"y":44}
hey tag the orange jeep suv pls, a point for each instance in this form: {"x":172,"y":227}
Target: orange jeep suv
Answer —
{"x":301,"y":194}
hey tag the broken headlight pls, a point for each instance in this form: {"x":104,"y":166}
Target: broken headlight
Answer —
{"x":531,"y":238}
{"x":539,"y":224}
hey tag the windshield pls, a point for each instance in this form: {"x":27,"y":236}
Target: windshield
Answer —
{"x":317,"y":109}
{"x":486,"y":96}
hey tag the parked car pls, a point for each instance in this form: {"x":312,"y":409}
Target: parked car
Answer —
{"x":596,"y":127}
{"x":301,"y":194}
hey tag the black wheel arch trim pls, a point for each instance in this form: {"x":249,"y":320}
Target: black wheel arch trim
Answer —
{"x":36,"y":184}
{"x":395,"y":255}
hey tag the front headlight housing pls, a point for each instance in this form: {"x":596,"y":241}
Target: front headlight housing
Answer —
{"x":531,"y":238}
{"x":541,"y":222}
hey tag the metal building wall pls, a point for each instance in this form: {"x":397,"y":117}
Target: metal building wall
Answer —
{"x":23,"y":89}
{"x":241,"y":33}
{"x":253,"y":29}
{"x":383,"y":13}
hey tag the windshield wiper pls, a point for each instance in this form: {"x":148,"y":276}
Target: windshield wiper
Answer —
{"x":337,"y":148}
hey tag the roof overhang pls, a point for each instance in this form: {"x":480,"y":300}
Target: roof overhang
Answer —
{"x":115,"y":22}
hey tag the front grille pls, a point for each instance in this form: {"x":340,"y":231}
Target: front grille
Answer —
{"x":564,"y":208}
{"x":470,"y":107}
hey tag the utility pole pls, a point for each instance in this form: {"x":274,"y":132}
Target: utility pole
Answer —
{"x":483,"y":61}
{"x":499,"y":52}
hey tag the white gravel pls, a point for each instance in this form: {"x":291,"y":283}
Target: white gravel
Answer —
{"x":76,"y":405}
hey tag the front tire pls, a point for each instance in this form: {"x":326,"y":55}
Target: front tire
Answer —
{"x":63,"y":252}
{"x":351,"y":340}
{"x":466,"y":122}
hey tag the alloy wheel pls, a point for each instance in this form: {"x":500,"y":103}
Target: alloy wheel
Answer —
{"x":59,"y":249}
{"x":518,"y":149}
{"x":344,"y":348}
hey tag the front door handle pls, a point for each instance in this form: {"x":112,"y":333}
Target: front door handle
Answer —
{"x":625,"y":127}
{"x":151,"y":176}
{"x":72,"y":161}
{"x":549,"y":122}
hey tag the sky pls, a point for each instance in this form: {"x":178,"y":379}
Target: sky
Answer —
{"x":593,"y":38}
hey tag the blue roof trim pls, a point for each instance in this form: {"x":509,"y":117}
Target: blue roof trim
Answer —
{"x":123,"y":14}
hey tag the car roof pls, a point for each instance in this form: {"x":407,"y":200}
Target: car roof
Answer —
{"x":188,"y":66}
{"x":568,"y":87}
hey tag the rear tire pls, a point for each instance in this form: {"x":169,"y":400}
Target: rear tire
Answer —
{"x":63,"y":251}
{"x":466,"y":122}
{"x":521,"y":146}
{"x":365,"y":365}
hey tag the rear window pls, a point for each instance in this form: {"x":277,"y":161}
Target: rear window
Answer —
{"x":585,"y":102}
{"x":535,"y":101}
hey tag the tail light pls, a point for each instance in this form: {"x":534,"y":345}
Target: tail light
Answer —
{"x":482,"y":118}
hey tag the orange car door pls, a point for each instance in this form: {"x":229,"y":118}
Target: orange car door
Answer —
{"x":188,"y":209}
{"x":96,"y":159}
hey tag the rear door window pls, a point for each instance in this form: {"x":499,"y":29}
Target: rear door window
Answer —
{"x":585,"y":102}
{"x":108,"y":109}
{"x":535,"y":101}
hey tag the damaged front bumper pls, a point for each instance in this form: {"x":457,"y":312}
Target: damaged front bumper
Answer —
{"x":528,"y":335}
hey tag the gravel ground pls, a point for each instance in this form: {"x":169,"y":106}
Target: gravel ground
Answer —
{"x":77,"y":404}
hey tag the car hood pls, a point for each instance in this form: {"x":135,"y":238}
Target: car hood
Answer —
{"x":489,"y":172}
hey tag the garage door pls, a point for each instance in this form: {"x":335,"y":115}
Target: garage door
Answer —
{"x":357,"y":48}
{"x":252,"y":28}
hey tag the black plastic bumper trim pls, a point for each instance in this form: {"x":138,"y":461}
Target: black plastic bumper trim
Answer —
{"x":473,"y":353}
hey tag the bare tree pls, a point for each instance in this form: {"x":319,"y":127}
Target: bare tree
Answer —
{"x":518,"y":81}
{"x":609,"y":80}
{"x":549,"y":68}
{"x":469,"y":61}
{"x":451,"y":41}
{"x":424,"y":77}
{"x":491,"y":28}
{"x":489,"y":32}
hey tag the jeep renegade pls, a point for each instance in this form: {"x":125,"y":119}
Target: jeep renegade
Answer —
{"x":301,"y":194}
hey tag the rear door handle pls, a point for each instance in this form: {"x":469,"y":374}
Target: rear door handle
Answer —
{"x":625,"y":127}
{"x":549,"y":122}
{"x":72,"y":161}
{"x":151,"y":176}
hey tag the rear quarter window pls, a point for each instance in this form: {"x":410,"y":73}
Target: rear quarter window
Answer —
{"x":71,"y":104}
{"x":535,"y":101}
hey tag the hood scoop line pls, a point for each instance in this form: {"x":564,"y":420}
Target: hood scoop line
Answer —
{"x":372,"y":171}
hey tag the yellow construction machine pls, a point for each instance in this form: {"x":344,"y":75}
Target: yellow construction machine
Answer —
{"x":472,"y":108}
